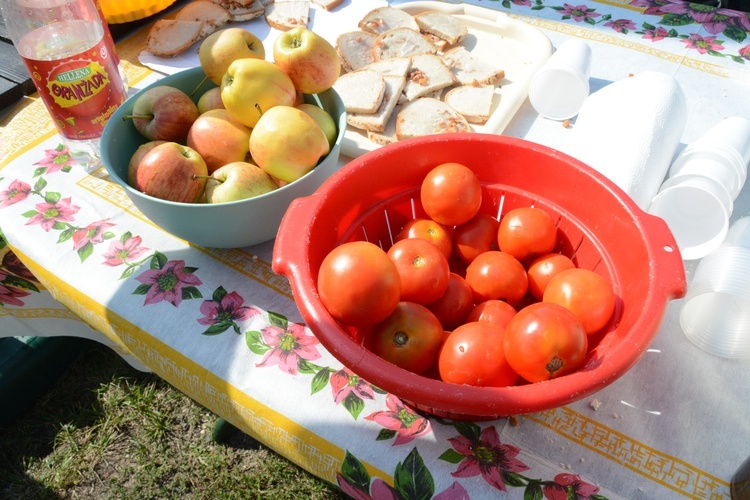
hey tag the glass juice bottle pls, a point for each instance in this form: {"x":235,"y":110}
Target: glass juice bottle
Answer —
{"x":70,"y":55}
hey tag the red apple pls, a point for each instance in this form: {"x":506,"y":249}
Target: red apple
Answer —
{"x":309,"y":59}
{"x":219,"y":138}
{"x":211,"y":99}
{"x":238,"y":181}
{"x":173,"y":172}
{"x":135,"y":160}
{"x":163,"y":113}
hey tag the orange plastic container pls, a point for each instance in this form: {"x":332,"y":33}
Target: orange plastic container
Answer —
{"x":599,"y":226}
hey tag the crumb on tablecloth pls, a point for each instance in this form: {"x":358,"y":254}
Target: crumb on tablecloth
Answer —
{"x":595,"y":404}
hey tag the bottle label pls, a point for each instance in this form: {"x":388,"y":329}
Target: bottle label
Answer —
{"x":82,"y":91}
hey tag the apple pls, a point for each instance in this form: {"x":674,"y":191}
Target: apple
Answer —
{"x":251,"y":87}
{"x":324,"y":119}
{"x":172,"y":172}
{"x":287,"y":143}
{"x":135,"y":160}
{"x":163,"y":113}
{"x":238,"y":181}
{"x":211,"y":99}
{"x":309,"y":59}
{"x":219,"y":138}
{"x":222,"y":47}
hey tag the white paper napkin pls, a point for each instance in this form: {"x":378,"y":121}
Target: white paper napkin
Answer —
{"x":630,"y":130}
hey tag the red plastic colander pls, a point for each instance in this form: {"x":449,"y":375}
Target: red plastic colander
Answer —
{"x":600,"y":227}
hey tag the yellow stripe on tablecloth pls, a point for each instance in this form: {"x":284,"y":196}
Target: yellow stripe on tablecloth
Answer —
{"x":38,"y":312}
{"x":661,"y":468}
{"x":310,"y":451}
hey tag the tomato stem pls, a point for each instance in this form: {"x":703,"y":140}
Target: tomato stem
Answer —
{"x":554,"y":365}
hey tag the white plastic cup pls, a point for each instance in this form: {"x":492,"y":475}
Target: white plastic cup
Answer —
{"x":697,"y":198}
{"x":559,"y":88}
{"x":715,"y":314}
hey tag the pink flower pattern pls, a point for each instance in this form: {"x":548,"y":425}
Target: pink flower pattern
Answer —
{"x":400,"y":418}
{"x":569,"y":487}
{"x":56,"y":159}
{"x":166,"y":284}
{"x":122,"y":252}
{"x":93,"y":233}
{"x":344,"y":383}
{"x":288,"y":347}
{"x":50,"y":213}
{"x":17,"y":191}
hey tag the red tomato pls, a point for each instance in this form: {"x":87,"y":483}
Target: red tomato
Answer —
{"x":473,"y":354}
{"x":476,"y":236}
{"x":544,"y":341}
{"x":358,"y":284}
{"x":451,"y":194}
{"x":543,"y":269}
{"x":526,"y":231}
{"x":410,"y":337}
{"x":587,"y":294}
{"x":497,"y":275}
{"x":428,"y":229}
{"x":423,"y":269}
{"x":455,"y":304}
{"x":498,"y":312}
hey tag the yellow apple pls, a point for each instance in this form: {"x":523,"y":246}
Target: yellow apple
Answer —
{"x":251,"y":87}
{"x":219,"y":138}
{"x":324,"y":119}
{"x":211,"y":99}
{"x":238,"y":181}
{"x":223,"y":47}
{"x":287,"y":143}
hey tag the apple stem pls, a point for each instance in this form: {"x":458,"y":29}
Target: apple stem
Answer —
{"x":199,"y":85}
{"x":195,"y":177}
{"x":260,"y":111}
{"x":130,"y":117}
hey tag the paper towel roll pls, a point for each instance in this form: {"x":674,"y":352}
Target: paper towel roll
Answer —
{"x":630,"y":130}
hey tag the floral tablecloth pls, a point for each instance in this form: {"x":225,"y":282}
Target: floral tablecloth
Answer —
{"x":222,"y":327}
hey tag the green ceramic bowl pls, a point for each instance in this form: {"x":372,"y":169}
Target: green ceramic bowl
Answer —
{"x":221,"y":225}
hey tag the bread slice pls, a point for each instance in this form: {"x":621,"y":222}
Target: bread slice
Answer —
{"x":376,"y":122}
{"x":355,"y":49}
{"x":327,"y":4}
{"x":426,"y":116}
{"x":442,"y":25}
{"x":362,"y":90}
{"x":382,"y":19}
{"x":388,"y":135}
{"x":213,"y":15}
{"x":395,"y":66}
{"x":470,"y":70}
{"x":474,"y":102}
{"x":169,"y":37}
{"x":401,"y":42}
{"x":288,"y":14}
{"x":242,"y":10}
{"x":428,"y":74}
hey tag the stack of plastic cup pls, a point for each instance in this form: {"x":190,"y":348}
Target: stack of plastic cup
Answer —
{"x":715,"y":314}
{"x":697,"y":198}
{"x":559,"y":88}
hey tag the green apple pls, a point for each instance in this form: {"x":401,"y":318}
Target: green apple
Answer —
{"x":223,"y":47}
{"x":238,"y":181}
{"x":309,"y":59}
{"x":173,"y":172}
{"x":219,"y":138}
{"x":211,"y":99}
{"x":287,"y":143}
{"x":251,"y":87}
{"x":324,"y":119}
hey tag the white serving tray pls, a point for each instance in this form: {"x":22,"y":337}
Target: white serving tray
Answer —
{"x":510,"y":44}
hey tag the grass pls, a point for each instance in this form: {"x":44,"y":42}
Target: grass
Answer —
{"x":105,"y":430}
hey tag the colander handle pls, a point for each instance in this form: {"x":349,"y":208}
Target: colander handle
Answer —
{"x":290,"y":248}
{"x":667,"y":259}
